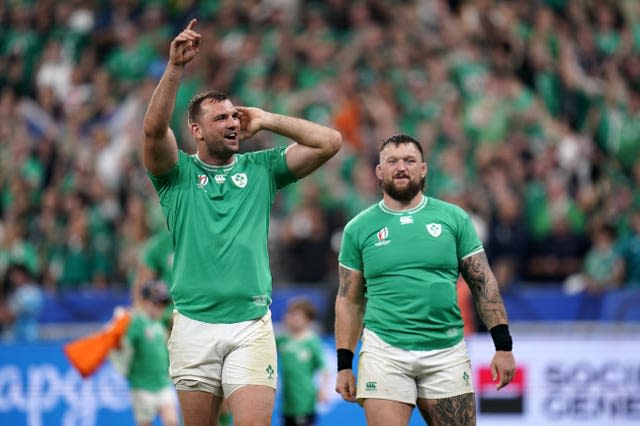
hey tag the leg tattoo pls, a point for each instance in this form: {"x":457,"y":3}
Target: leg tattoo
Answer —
{"x":455,"y":411}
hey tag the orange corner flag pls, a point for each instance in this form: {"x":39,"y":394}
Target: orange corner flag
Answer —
{"x":87,"y":353}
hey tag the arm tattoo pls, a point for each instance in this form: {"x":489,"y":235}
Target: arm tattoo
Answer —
{"x":483,"y":285}
{"x":455,"y":411}
{"x":345,"y":281}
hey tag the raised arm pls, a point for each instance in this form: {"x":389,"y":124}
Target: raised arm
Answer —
{"x":315,"y":143}
{"x":160,"y":152}
{"x":348,"y":328}
{"x":486,"y":296}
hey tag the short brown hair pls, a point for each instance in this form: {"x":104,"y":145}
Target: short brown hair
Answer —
{"x":195,"y":103}
{"x":303,"y":305}
{"x":399,"y":139}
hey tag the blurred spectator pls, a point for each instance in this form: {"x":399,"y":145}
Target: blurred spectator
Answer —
{"x":507,"y":240}
{"x":556,"y":256}
{"x":630,"y":252}
{"x":602,"y":269}
{"x":20,"y":312}
{"x":306,"y":238}
{"x":558,"y":231}
{"x":15,"y":247}
{"x":301,"y":361}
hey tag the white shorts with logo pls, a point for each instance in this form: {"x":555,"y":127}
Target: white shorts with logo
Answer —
{"x":146,"y":404}
{"x":388,"y":372}
{"x":220,"y":358}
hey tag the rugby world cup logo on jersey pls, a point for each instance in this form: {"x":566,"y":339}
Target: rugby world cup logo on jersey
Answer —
{"x":240,"y":180}
{"x":435,"y":229}
{"x":203,"y":180}
{"x":383,"y":236}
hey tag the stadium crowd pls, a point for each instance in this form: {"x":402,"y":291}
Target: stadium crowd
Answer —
{"x":529,"y":113}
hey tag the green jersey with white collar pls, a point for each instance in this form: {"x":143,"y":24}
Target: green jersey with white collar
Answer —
{"x":300,"y":359}
{"x":218,"y":218}
{"x":409,"y":260}
{"x":149,"y":364}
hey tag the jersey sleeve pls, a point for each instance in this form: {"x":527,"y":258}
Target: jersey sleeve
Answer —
{"x":163,"y":182}
{"x":467,"y":239}
{"x":279,"y":167}
{"x":350,"y":254}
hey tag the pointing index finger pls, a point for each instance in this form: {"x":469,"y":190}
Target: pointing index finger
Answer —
{"x":192,"y":24}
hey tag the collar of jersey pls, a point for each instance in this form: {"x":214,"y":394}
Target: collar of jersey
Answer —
{"x":224,"y":168}
{"x":404,"y":212}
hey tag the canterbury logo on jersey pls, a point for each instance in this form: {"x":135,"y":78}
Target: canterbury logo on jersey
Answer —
{"x":406,"y":220}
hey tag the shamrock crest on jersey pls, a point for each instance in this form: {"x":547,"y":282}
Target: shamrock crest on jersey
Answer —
{"x":239,"y":179}
{"x":435,"y":229}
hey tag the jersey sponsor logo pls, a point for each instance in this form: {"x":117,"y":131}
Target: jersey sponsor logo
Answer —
{"x":371,"y":386}
{"x":435,"y":229}
{"x":406,"y":220}
{"x":240,"y":180}
{"x":383,"y":234}
{"x":452,"y":332}
{"x":260,"y":300}
{"x":202,"y":180}
{"x":220,"y":178}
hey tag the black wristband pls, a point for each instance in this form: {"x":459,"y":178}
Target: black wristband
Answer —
{"x":345,"y":359}
{"x":501,"y":337}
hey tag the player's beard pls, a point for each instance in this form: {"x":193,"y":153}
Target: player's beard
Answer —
{"x":220,"y":150}
{"x":405,"y":194}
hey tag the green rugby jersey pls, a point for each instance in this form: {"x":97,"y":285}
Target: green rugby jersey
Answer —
{"x":149,"y":368}
{"x":409,"y":260}
{"x":218,"y":218}
{"x":300,"y":359}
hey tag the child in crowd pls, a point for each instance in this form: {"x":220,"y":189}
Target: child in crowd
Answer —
{"x":301,"y":359}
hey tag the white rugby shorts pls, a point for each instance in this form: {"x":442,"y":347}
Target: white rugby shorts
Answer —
{"x":388,"y":372}
{"x":220,"y":358}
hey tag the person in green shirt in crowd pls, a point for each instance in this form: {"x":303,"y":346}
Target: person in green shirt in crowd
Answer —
{"x":217,"y":204}
{"x":405,"y":254}
{"x":144,"y":360}
{"x":629,"y":251}
{"x":156,"y":262}
{"x":301,"y":360}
